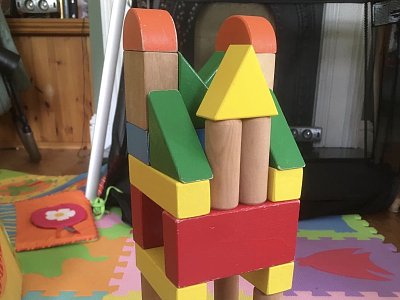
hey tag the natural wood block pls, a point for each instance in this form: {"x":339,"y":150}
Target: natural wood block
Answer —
{"x":149,"y":30}
{"x":148,"y":293}
{"x":146,"y":72}
{"x":223,"y":146}
{"x":226,"y":288}
{"x":147,"y":220}
{"x":254,"y":160}
{"x":151,"y":263}
{"x":267,"y":63}
{"x":272,"y":280}
{"x":239,"y":89}
{"x":175,"y":149}
{"x":265,"y":235}
{"x":182,"y":200}
{"x":284,"y":185}
{"x":246,"y":30}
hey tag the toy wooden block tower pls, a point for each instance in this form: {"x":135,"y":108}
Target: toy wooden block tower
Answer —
{"x":226,"y":211}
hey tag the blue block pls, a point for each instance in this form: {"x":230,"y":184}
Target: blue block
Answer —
{"x":202,"y":137}
{"x":138,"y":142}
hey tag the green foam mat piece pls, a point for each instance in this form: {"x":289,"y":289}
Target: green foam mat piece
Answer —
{"x":361,"y":231}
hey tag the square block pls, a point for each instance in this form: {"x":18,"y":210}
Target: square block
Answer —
{"x":147,"y":220}
{"x":151,"y":263}
{"x":138,"y":142}
{"x":229,"y":242}
{"x":182,"y":200}
{"x":284,"y":185}
{"x":272,"y":280}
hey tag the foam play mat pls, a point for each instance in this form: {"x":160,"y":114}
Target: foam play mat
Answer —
{"x":338,"y":257}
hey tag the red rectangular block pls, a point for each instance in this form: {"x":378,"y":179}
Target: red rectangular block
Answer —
{"x":146,"y":219}
{"x":230,"y":242}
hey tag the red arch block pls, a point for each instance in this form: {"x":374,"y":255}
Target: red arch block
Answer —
{"x":246,"y":30}
{"x":149,"y":30}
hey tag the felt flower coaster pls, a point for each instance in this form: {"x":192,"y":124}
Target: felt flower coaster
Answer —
{"x":59,"y":219}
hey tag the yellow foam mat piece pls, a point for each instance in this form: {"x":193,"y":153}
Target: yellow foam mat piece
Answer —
{"x":239,"y":89}
{"x":151,"y":263}
{"x":11,"y":277}
{"x":272,"y":280}
{"x":284,"y":185}
{"x":182,"y":200}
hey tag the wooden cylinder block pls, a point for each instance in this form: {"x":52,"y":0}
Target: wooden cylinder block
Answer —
{"x":254,"y":160}
{"x":223,"y":146}
{"x":148,"y":293}
{"x":258,"y":295}
{"x":227,"y":288}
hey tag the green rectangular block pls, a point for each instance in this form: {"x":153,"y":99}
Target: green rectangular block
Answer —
{"x":175,"y":149}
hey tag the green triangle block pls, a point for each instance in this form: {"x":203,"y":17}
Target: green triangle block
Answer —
{"x":192,"y":90}
{"x":284,"y":151}
{"x":175,"y":149}
{"x":207,"y":72}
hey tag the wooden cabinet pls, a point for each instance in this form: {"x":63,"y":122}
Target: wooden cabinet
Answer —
{"x":56,"y":54}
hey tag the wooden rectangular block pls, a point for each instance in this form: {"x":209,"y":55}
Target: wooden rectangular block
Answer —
{"x":146,"y":72}
{"x":10,"y":274}
{"x":151,"y":263}
{"x":272,"y":280}
{"x":284,"y":185}
{"x":231,"y":242}
{"x":147,"y":220}
{"x":182,"y":200}
{"x":138,"y":142}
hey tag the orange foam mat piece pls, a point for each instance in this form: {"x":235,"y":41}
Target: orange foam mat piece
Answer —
{"x":149,"y":30}
{"x":30,"y":236}
{"x":246,"y":30}
{"x":79,"y":275}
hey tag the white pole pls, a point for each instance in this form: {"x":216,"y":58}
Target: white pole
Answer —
{"x":106,"y":89}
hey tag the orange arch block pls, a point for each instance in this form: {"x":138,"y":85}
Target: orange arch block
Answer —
{"x":149,"y":30}
{"x":247,"y":30}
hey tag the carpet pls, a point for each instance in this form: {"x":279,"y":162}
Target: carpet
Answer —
{"x":338,"y":257}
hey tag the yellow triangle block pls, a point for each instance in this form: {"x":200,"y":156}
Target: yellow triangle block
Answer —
{"x":239,"y":89}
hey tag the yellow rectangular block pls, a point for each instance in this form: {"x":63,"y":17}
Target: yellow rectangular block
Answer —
{"x":182,"y":200}
{"x":10,"y":274}
{"x":284,"y":185}
{"x":151,"y":263}
{"x":272,"y":280}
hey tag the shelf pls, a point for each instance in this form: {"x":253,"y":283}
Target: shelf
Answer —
{"x":39,"y":26}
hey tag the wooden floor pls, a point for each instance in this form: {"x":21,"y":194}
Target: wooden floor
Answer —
{"x":70,"y":162}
